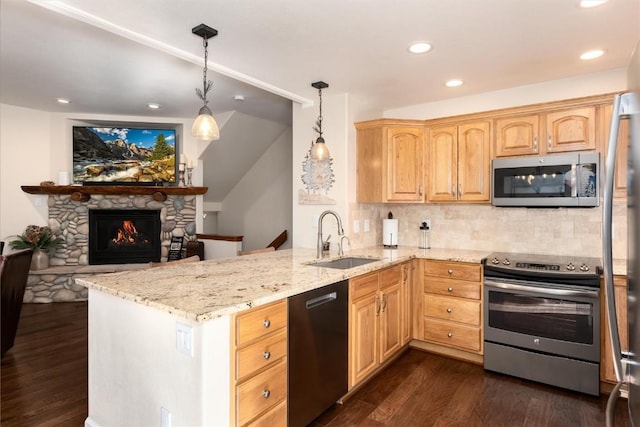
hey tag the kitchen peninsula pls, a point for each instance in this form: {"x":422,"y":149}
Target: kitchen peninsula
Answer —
{"x":135,"y":369}
{"x":138,"y":319}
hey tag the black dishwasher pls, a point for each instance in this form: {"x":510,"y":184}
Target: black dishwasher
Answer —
{"x":317,"y":351}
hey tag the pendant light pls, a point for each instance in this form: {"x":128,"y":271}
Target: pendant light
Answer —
{"x":319,"y":151}
{"x":205,"y":127}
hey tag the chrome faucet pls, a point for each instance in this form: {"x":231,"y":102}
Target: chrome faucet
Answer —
{"x":320,"y":241}
{"x":341,"y":245}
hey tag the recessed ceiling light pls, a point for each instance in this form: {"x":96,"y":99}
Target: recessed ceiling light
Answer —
{"x":592,"y":54}
{"x":420,"y":47}
{"x":591,"y":3}
{"x":238,"y":97}
{"x":454,"y":83}
{"x":153,"y":105}
{"x":63,"y":101}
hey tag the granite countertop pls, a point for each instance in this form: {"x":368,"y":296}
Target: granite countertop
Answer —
{"x":213,"y":288}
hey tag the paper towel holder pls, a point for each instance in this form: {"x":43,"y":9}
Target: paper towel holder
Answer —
{"x":390,"y":232}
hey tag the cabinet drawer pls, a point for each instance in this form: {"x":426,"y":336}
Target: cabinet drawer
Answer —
{"x":260,"y":321}
{"x":363,"y":286}
{"x":261,"y":392}
{"x":452,"y":287}
{"x":276,"y":417}
{"x":390,"y":276}
{"x":261,"y":354}
{"x":452,"y":334}
{"x":452,"y":309}
{"x":453,"y":270}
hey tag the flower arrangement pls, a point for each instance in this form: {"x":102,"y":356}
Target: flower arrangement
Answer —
{"x":37,"y":237}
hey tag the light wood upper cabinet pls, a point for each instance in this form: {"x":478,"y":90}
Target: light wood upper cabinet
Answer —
{"x":390,"y":161}
{"x":404,"y":162}
{"x":517,"y":136}
{"x":459,"y":163}
{"x":571,"y":130}
{"x":558,"y":131}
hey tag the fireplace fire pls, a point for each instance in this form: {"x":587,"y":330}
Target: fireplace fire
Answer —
{"x":123,"y":236}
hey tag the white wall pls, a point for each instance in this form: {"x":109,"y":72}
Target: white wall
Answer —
{"x":259,"y":206}
{"x":25,"y":152}
{"x":135,"y":368}
{"x":36,"y":145}
{"x":336,"y":128}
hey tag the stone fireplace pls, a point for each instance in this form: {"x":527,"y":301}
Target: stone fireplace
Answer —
{"x":69,"y":211}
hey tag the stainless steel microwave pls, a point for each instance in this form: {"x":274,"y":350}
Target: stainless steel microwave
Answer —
{"x":547,"y":181}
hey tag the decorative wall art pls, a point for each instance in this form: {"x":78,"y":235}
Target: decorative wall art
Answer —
{"x":318,"y":178}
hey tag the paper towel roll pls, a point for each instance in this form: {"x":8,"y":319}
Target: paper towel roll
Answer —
{"x":390,"y":232}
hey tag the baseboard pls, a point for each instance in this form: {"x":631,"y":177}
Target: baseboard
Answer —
{"x":453,"y":353}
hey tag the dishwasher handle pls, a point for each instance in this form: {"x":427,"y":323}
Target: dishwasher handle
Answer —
{"x":323,"y":299}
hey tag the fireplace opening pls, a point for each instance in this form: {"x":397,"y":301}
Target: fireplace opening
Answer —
{"x":124,"y":236}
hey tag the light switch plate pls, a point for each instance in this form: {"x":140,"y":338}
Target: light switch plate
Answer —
{"x":165,"y":417}
{"x":366,"y":226}
{"x":184,"y":338}
{"x":356,"y":226}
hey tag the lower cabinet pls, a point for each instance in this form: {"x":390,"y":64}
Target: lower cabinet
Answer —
{"x":379,"y":319}
{"x":452,"y":305}
{"x":259,"y":366}
{"x":607,"y":372}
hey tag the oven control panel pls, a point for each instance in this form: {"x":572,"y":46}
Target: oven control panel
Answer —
{"x":569,"y":266}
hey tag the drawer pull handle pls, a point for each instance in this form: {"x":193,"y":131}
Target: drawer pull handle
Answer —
{"x":450,"y":289}
{"x":266,"y":323}
{"x":449,"y":334}
{"x":266,"y":394}
{"x":266,"y":355}
{"x":450,"y":271}
{"x":448,"y":310}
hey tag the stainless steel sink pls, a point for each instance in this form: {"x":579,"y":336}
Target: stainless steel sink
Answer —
{"x":344,"y":263}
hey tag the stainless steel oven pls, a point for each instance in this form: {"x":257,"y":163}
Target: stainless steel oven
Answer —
{"x":542,"y":319}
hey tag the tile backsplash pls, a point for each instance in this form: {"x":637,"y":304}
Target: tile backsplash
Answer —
{"x":555,"y":231}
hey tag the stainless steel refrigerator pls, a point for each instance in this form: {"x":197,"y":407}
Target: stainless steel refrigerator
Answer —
{"x":626,"y":366}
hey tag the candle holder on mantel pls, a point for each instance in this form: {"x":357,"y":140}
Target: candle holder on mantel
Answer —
{"x":189,"y":175}
{"x":181,"y":167}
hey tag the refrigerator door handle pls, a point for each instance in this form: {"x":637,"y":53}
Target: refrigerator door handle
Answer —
{"x":607,"y":216}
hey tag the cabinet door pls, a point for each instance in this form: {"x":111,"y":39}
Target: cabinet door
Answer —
{"x":474,"y":162}
{"x":571,"y":130}
{"x":404,"y":164}
{"x":606,"y":366}
{"x":390,"y":321}
{"x":620,"y":177}
{"x":369,"y":176}
{"x":517,"y":136}
{"x":443,"y":160}
{"x":363,"y":351}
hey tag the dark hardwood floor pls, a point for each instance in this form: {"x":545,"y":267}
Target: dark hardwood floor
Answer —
{"x":44,"y":383}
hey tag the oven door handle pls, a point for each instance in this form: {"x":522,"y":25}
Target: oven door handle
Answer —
{"x":541,"y":290}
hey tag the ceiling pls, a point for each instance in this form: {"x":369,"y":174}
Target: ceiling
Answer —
{"x":115,"y":56}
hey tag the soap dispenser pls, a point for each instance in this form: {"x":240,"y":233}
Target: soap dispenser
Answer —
{"x":425,"y":236}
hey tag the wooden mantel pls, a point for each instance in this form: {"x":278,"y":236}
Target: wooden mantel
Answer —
{"x":83,"y":193}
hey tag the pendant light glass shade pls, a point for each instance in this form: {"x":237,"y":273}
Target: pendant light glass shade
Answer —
{"x":319,"y":151}
{"x":205,"y":127}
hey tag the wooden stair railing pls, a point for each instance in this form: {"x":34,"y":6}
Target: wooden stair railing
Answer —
{"x":279,"y":241}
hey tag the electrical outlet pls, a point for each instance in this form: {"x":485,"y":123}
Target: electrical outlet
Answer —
{"x":314,"y":220}
{"x":428,"y":221}
{"x":184,"y":338}
{"x":165,"y":417}
{"x":366,"y":226}
{"x":356,"y":226}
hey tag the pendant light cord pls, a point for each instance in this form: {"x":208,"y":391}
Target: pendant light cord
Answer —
{"x":206,"y":85}
{"x":320,"y":116}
